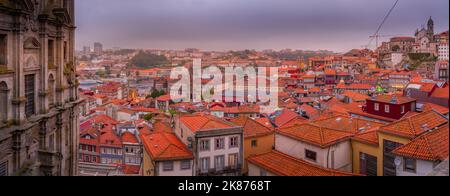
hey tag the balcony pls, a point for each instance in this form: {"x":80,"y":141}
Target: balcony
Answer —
{"x":219,"y":172}
{"x":48,"y":159}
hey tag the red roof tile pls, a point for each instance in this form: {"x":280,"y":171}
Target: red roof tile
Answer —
{"x":441,"y":93}
{"x":315,"y":135}
{"x":284,"y":117}
{"x":162,"y":146}
{"x":251,"y":127}
{"x":432,"y":146}
{"x":414,"y":126}
{"x":128,"y":137}
{"x":204,"y":122}
{"x":284,"y":165}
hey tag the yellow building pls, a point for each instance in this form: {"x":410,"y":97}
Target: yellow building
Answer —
{"x":258,"y":139}
{"x":372,"y":149}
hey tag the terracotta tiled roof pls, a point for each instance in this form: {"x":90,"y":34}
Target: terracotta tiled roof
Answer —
{"x":131,"y":169}
{"x":354,"y":86}
{"x":432,"y":146}
{"x":347,"y":124}
{"x":394,"y":99}
{"x":368,"y":137}
{"x":162,"y":146}
{"x":284,"y":165}
{"x":355,"y":96}
{"x":415,"y":125}
{"x":162,"y":127}
{"x":204,"y":122}
{"x":441,"y":93}
{"x":265,"y":122}
{"x":284,"y":117}
{"x":315,"y":135}
{"x":330,"y":72}
{"x":108,"y":138}
{"x":437,"y":108}
{"x":128,"y":137}
{"x":251,"y":127}
{"x":163,"y":98}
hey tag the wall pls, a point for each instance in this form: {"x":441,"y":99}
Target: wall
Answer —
{"x":254,"y":170}
{"x":265,"y":144}
{"x":394,"y":110}
{"x":376,"y":151}
{"x":423,"y":168}
{"x":177,"y":171}
{"x":297,"y":149}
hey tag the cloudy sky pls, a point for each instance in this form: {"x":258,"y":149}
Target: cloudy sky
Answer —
{"x":337,"y":25}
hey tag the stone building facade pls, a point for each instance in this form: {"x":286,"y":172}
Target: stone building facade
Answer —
{"x":39,"y":123}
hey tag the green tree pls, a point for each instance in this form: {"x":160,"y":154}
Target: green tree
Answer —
{"x":148,"y":117}
{"x":147,"y":60}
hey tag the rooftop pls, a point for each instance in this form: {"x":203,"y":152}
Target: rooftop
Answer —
{"x":432,"y":146}
{"x":284,"y":165}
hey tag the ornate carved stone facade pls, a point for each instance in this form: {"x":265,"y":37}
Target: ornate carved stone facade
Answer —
{"x":38,"y":89}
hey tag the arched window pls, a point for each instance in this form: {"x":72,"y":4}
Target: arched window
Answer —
{"x":3,"y":102}
{"x":51,"y":91}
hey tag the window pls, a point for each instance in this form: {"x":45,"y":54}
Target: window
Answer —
{"x":94,"y":159}
{"x":310,"y":155}
{"x":409,"y":165}
{"x":4,"y":168}
{"x":168,"y":166}
{"x":332,"y":159}
{"x":368,"y":165}
{"x":204,"y":164}
{"x":87,"y":159}
{"x":3,"y":102}
{"x":233,"y":160}
{"x":219,"y":162}
{"x":185,"y":165}
{"x":387,"y":109}
{"x":403,"y":109}
{"x":262,"y":172}
{"x":65,"y":51}
{"x":220,"y":143}
{"x":204,"y":145}
{"x":51,"y":90}
{"x":3,"y":47}
{"x":234,"y":142}
{"x":51,"y":143}
{"x":254,"y":143}
{"x":51,"y":53}
{"x":29,"y":94}
{"x":377,"y":107}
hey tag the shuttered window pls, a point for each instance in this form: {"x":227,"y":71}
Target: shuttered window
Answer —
{"x":29,"y":94}
{"x":4,"y":168}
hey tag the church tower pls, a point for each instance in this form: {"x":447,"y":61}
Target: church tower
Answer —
{"x":430,"y":28}
{"x":39,"y":100}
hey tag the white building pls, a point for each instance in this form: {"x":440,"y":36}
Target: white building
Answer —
{"x":217,"y":145}
{"x":422,"y":155}
{"x":305,"y":142}
{"x":443,"y":51}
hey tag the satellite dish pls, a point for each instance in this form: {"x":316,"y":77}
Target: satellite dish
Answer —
{"x":398,"y":161}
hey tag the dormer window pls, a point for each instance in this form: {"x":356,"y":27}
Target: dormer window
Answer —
{"x":387,"y":109}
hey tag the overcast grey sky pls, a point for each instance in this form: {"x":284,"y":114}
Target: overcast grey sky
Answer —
{"x":337,"y":25}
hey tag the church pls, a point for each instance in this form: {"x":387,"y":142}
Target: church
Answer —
{"x":38,"y":88}
{"x":425,"y":39}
